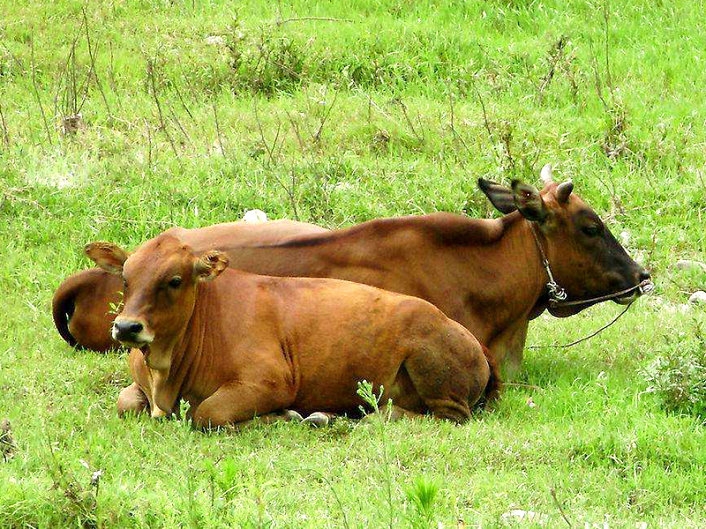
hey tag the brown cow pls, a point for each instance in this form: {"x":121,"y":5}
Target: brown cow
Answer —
{"x":246,"y":345}
{"x":489,"y":275}
{"x":85,"y":304}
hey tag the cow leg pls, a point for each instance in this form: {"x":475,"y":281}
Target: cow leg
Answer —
{"x":132,"y":400}
{"x":319,"y":419}
{"x":238,"y":402}
{"x":450,"y":383}
{"x":269,"y":418}
{"x":508,"y":346}
{"x":392,"y":414}
{"x":139,"y":396}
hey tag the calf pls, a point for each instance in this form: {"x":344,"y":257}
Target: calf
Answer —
{"x":246,"y":345}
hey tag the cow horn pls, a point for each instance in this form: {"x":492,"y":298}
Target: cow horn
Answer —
{"x":563,"y":191}
{"x":546,"y":174}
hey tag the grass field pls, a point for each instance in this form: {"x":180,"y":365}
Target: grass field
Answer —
{"x":120,"y":119}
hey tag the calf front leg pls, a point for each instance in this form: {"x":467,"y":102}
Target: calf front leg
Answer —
{"x":132,"y":400}
{"x":237,"y":402}
{"x":140,"y":395}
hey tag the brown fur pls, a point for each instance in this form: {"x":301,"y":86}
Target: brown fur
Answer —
{"x":240,"y":345}
{"x":485,"y":274}
{"x":81,"y":309}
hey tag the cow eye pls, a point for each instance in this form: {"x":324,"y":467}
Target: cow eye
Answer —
{"x":124,"y":284}
{"x":591,"y":230}
{"x":175,"y":282}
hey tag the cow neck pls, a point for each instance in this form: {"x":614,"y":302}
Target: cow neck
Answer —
{"x":185,"y":352}
{"x":507,"y":285}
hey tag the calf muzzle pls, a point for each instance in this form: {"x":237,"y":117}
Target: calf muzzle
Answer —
{"x":128,"y":332}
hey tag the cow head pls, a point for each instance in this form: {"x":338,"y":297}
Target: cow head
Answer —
{"x":160,"y":283}
{"x":585,"y":258}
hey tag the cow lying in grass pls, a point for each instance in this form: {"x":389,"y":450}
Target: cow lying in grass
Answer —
{"x":235,"y":345}
{"x":490,"y":275}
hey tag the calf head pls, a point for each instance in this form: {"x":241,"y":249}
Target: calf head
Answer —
{"x":585,"y":258}
{"x":160,"y":282}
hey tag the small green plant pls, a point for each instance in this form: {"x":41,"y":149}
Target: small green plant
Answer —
{"x":266,"y":64}
{"x":366,"y":392}
{"x":422,"y":495}
{"x":223,"y":476}
{"x":82,"y":500}
{"x":678,"y":375}
{"x":116,"y":308}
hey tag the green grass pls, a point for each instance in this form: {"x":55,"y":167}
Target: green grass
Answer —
{"x":337,"y":113}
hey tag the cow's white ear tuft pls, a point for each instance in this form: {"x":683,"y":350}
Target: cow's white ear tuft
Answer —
{"x":110,"y":257}
{"x":546,"y":174}
{"x":210,"y":265}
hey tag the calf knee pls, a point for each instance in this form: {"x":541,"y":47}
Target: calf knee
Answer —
{"x":132,"y":400}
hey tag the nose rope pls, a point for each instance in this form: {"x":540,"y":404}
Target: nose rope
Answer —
{"x":594,"y":333}
{"x":557,"y":295}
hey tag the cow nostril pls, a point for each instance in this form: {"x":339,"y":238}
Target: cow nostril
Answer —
{"x":129,"y":327}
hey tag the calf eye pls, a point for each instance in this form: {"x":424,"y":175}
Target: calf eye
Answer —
{"x":175,"y":282}
{"x":591,"y":230}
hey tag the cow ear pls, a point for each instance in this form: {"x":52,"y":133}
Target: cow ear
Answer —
{"x":110,"y":257}
{"x":528,"y":201}
{"x":210,"y":265}
{"x":500,"y":196}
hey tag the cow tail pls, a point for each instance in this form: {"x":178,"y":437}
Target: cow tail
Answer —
{"x":492,"y":389}
{"x":63,"y":308}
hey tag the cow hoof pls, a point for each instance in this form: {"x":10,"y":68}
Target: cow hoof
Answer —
{"x":291,"y":415}
{"x":317,"y":419}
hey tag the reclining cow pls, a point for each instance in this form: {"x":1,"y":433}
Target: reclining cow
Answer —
{"x":492,"y":275}
{"x":243,"y":345}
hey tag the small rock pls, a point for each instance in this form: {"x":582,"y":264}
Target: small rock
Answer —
{"x":255,"y":216}
{"x":698,"y":297}
{"x":518,"y":515}
{"x":343,"y":186}
{"x":317,"y":419}
{"x":215,"y":40}
{"x":690,"y":264}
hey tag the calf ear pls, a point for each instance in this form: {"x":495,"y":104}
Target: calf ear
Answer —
{"x":500,"y":196}
{"x":528,"y":201}
{"x":210,"y":265}
{"x":110,"y":257}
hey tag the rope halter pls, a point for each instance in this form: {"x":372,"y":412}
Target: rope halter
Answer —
{"x":557,"y":295}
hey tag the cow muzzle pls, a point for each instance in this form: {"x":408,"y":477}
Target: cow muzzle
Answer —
{"x":644,"y":286}
{"x":131,"y":333}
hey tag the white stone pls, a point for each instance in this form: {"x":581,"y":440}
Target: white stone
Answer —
{"x":255,"y":216}
{"x":215,"y":40}
{"x":518,"y":515}
{"x":698,"y":297}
